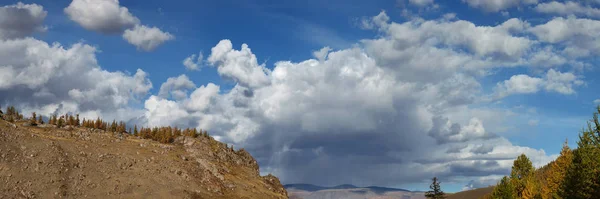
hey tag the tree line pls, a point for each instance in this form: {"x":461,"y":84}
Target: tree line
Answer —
{"x":165,"y":134}
{"x":575,"y":174}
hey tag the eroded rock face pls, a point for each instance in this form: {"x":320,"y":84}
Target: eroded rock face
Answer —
{"x":50,"y":162}
{"x":209,"y":153}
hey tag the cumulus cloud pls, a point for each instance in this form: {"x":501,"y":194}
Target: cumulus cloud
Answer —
{"x":54,"y":78}
{"x":498,"y":5}
{"x":238,"y":65}
{"x":575,"y":37}
{"x":20,"y":20}
{"x":193,"y":62}
{"x":344,"y":111}
{"x":597,"y":101}
{"x":146,"y":38}
{"x":176,"y":87}
{"x":567,"y":8}
{"x":108,"y":17}
{"x":554,"y":81}
{"x":104,"y":16}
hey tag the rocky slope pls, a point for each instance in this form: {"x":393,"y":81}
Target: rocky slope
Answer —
{"x":48,"y":162}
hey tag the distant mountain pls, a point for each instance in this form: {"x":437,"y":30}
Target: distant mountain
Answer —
{"x":345,"y":186}
{"x":348,"y":191}
{"x":305,"y":187}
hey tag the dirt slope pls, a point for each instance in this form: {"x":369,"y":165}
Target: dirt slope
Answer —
{"x":47,"y":162}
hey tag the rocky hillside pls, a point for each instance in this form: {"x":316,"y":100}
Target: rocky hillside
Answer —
{"x":48,"y":162}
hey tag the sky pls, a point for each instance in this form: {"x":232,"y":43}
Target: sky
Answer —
{"x":371,"y":93}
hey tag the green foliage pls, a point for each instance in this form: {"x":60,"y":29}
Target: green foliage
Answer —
{"x":582,"y":179}
{"x":521,"y":176}
{"x":435,"y":192}
{"x":60,"y":122}
{"x":504,"y":190}
{"x":575,"y":174}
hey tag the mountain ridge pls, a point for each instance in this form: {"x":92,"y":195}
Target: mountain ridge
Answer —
{"x":312,"y":187}
{"x":348,"y":191}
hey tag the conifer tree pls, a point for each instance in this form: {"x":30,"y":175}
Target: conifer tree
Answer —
{"x":558,"y":172}
{"x":521,"y":177}
{"x":435,"y":192}
{"x":504,"y":190}
{"x":33,"y":120}
{"x":40,"y":120}
{"x":60,"y":122}
{"x":582,"y":178}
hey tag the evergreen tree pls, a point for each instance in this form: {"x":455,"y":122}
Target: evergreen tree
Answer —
{"x":581,"y":180}
{"x":40,"y":120}
{"x":522,"y":177}
{"x":33,"y":120}
{"x":435,"y":192}
{"x":504,"y":190}
{"x":60,"y":122}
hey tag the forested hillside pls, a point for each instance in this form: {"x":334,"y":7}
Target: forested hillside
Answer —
{"x":574,"y":174}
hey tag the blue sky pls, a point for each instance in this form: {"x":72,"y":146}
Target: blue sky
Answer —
{"x":537,"y":117}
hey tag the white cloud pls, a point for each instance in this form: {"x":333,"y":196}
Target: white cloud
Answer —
{"x":56,"y":78}
{"x":554,"y":81}
{"x":498,"y":5}
{"x":321,"y":55}
{"x":104,"y":16}
{"x":576,"y":37}
{"x":176,"y":87}
{"x":146,"y":38}
{"x":193,"y":62}
{"x":162,"y":112}
{"x":20,"y":20}
{"x":240,"y":66}
{"x":561,"y":82}
{"x":567,"y":8}
{"x":521,"y":84}
{"x":597,"y":101}
{"x":202,"y":97}
{"x":480,"y":40}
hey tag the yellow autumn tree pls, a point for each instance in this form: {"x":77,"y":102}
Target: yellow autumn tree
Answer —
{"x":558,"y":172}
